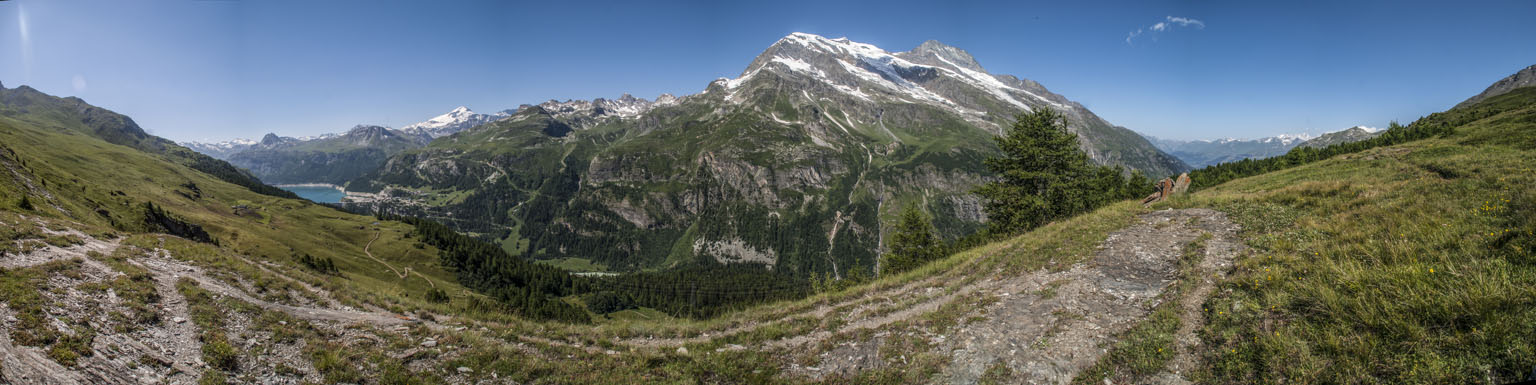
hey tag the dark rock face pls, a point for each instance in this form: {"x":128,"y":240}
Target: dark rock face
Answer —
{"x":157,"y":220}
{"x":1165,"y":189}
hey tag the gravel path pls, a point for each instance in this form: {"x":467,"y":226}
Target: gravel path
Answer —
{"x":1047,"y":326}
{"x":1048,"y":336}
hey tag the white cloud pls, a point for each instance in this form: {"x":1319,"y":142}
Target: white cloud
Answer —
{"x":78,"y":82}
{"x":1168,"y":24}
{"x":1185,"y":22}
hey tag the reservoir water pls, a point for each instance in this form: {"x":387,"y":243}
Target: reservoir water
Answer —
{"x":321,"y":194}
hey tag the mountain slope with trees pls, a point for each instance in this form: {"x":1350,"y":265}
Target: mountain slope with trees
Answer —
{"x":1361,"y":262}
{"x":334,"y":159}
{"x":801,"y":163}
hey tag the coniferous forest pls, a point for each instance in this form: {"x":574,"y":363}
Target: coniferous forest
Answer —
{"x":535,"y":290}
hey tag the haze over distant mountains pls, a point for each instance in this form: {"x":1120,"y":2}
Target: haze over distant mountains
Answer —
{"x":1201,"y":153}
{"x":456,"y":120}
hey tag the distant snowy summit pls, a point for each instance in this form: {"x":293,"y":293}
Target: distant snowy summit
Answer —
{"x":459,"y":119}
{"x":1201,"y":153}
{"x":1352,"y":134}
{"x":626,"y":106}
{"x":221,"y":150}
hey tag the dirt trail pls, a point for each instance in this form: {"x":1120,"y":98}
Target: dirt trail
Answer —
{"x":1214,"y":265}
{"x":925,"y":292}
{"x":1045,"y":326}
{"x":55,"y":253}
{"x":1048,"y":335}
{"x":403,"y":274}
{"x":166,"y":352}
{"x":181,"y":339}
{"x":162,"y":267}
{"x":1048,"y":326}
{"x":119,"y":357}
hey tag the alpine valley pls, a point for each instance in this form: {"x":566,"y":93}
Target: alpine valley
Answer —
{"x":799,"y":163}
{"x":835,"y":213}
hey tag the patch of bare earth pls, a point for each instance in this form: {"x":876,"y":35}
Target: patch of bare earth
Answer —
{"x":1220,"y":250}
{"x":168,"y":350}
{"x":1046,"y":326}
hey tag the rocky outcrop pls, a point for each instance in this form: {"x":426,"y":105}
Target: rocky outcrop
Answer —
{"x":158,"y":220}
{"x":1167,"y":188}
{"x":1181,"y":184}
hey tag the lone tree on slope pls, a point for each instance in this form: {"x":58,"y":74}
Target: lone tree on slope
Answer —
{"x":915,"y":243}
{"x":1043,"y":176}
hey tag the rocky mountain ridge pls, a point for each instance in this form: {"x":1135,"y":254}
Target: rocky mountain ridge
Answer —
{"x":1352,"y":134}
{"x":1523,"y":78}
{"x":331,"y":159}
{"x":458,"y":119}
{"x":797,"y":163}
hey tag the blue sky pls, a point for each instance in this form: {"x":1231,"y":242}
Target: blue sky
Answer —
{"x":199,"y":70}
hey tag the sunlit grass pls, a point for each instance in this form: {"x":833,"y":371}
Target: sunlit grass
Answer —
{"x":1377,"y":267}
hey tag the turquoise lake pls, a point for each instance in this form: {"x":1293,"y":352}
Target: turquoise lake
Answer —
{"x":317,"y":194}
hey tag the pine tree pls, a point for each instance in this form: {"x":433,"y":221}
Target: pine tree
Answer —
{"x":25,"y":204}
{"x":914,"y":244}
{"x":1042,"y":175}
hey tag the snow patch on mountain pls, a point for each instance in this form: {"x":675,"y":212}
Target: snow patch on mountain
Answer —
{"x":874,"y":68}
{"x":625,"y":107}
{"x":798,"y":65}
{"x":228,"y":144}
{"x":1285,"y":139}
{"x":459,"y":119}
{"x":317,"y":137}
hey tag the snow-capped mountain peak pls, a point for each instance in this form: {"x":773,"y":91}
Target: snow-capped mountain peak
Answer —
{"x":458,"y":119}
{"x":862,"y":80}
{"x":625,"y":107}
{"x":1288,"y":139}
{"x":932,"y":73}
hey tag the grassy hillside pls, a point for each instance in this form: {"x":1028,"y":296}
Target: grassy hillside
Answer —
{"x":80,"y":181}
{"x":1413,"y":262}
{"x":1405,"y":264}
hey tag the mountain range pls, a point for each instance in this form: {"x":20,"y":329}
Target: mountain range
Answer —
{"x":626,"y":183}
{"x":130,"y":259}
{"x":332,"y":159}
{"x":1201,"y":153}
{"x":459,"y":119}
{"x":800,"y":162}
{"x":336,"y":157}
